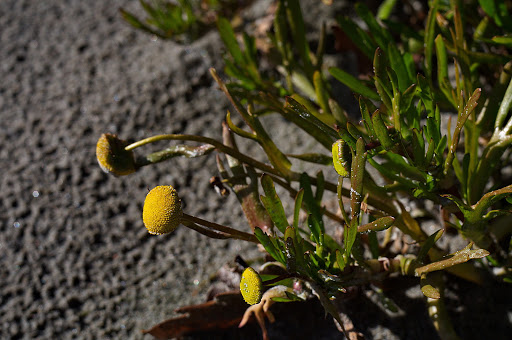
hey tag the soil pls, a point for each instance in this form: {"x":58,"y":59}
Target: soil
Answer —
{"x":75,"y":259}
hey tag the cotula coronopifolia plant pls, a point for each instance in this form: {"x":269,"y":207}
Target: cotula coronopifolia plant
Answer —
{"x":399,"y":137}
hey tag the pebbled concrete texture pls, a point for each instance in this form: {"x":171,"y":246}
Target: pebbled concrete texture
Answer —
{"x":75,"y":259}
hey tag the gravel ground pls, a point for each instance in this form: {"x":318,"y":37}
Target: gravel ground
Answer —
{"x":75,"y":259}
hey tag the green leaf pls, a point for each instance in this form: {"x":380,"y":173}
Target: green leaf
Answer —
{"x":489,"y":7}
{"x":237,"y":130}
{"x":337,"y":112}
{"x":347,"y":137}
{"x":340,"y":259}
{"x":339,"y":192}
{"x":409,"y":96}
{"x":315,"y":222}
{"x":398,"y":66}
{"x":354,"y":131}
{"x":430,"y":152}
{"x":428,"y":244}
{"x":379,"y":33}
{"x":349,"y":237}
{"x":359,"y":37}
{"x":250,"y":54}
{"x":228,"y":37}
{"x":313,"y":109}
{"x":314,"y":261}
{"x":418,"y":147}
{"x":385,"y":9}
{"x":384,"y":300}
{"x":281,"y":33}
{"x":432,"y":130}
{"x":401,"y":166}
{"x":290,"y":297}
{"x":298,"y":206}
{"x":273,"y":204}
{"x":356,"y":180}
{"x":353,"y":83}
{"x":373,"y":244}
{"x":429,"y":36}
{"x":298,"y":31}
{"x":498,"y":11}
{"x":365,"y":113}
{"x":468,"y":109}
{"x":442,"y":70}
{"x":331,"y":244}
{"x":382,"y":83}
{"x":135,"y":22}
{"x":428,"y":287}
{"x":316,"y":230}
{"x":269,"y":246}
{"x":489,"y":199}
{"x":322,"y":95}
{"x":391,"y":174}
{"x":505,"y":106}
{"x":290,"y":249}
{"x":379,"y":224}
{"x":320,"y":186}
{"x":298,"y":114}
{"x":244,"y":80}
{"x":440,"y":148}
{"x":503,"y":40}
{"x":459,"y":257}
{"x":381,"y":131}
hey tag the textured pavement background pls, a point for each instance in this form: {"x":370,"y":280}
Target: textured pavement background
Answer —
{"x":75,"y":259}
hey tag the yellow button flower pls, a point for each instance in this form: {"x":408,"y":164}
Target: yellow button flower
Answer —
{"x":251,"y":286}
{"x":112,"y":156}
{"x":162,"y":210}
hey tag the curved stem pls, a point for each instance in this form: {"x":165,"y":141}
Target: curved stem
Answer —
{"x":205,"y":231}
{"x":438,"y":313}
{"x":218,"y":145}
{"x":227,"y":230}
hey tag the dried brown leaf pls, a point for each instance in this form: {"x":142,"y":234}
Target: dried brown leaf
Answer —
{"x":224,"y":311}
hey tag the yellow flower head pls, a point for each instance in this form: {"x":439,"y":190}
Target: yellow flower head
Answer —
{"x":251,"y":286}
{"x":112,"y":156}
{"x":162,"y":210}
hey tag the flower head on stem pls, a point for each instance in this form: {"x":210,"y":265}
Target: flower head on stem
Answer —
{"x":112,"y":156}
{"x":162,"y":213}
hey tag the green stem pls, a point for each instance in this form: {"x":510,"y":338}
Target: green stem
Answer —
{"x":206,"y":232}
{"x":438,"y":314}
{"x":503,"y":112}
{"x":223,"y":229}
{"x":201,"y":139}
{"x":487,"y":165}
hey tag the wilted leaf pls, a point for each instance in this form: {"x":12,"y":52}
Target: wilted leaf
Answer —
{"x":224,"y":311}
